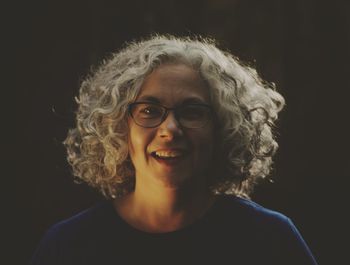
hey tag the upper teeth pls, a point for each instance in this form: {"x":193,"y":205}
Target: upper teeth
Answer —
{"x":168,"y":153}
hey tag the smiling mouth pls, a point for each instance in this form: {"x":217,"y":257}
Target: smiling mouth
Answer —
{"x":168,"y":155}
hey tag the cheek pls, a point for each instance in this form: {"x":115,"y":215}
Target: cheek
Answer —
{"x":205,"y":146}
{"x":134,"y":143}
{"x":138,"y":142}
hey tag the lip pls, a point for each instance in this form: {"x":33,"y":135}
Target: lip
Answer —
{"x":183,"y":151}
{"x":170,"y":161}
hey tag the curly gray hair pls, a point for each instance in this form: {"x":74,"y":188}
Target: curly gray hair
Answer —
{"x":245,"y":105}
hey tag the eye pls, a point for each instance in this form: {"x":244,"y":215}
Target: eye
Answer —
{"x":147,"y":111}
{"x":194,"y":112}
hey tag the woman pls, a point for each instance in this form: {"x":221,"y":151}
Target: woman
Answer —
{"x":175,"y":133}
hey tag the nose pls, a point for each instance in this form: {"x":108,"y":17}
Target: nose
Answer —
{"x":170,"y":128}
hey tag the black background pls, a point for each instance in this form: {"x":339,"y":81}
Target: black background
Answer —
{"x":303,"y":46}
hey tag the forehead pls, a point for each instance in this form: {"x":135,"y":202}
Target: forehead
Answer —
{"x":172,"y":84}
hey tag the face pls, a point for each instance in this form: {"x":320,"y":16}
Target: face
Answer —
{"x":169,"y":154}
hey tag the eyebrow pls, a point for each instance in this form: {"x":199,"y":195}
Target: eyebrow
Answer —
{"x":193,"y":101}
{"x":149,"y":98}
{"x":152,"y":99}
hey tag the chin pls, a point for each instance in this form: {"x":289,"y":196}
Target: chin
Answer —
{"x":178,"y":180}
{"x":172,"y":181}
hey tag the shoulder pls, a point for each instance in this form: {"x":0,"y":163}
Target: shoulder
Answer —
{"x":246,"y":209}
{"x":255,"y":220}
{"x":98,"y":215}
{"x":271,"y":232}
{"x":67,"y":238}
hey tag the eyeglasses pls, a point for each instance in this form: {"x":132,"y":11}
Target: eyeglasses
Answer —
{"x":150,"y":115}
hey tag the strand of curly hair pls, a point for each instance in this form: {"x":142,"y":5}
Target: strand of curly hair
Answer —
{"x":246,"y":108}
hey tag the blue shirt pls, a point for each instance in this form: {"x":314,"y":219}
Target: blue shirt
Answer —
{"x":233,"y":231}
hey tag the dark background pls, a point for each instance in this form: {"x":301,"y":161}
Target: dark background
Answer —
{"x":302,"y":45}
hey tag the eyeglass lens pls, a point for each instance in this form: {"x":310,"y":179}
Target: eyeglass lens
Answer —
{"x":152,"y":115}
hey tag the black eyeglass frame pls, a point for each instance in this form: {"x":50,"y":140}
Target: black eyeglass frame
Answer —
{"x":166,"y":113}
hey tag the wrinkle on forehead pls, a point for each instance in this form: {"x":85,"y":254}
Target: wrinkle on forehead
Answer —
{"x":174,"y":82}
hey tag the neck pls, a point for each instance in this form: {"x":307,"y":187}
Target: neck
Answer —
{"x":157,"y":208}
